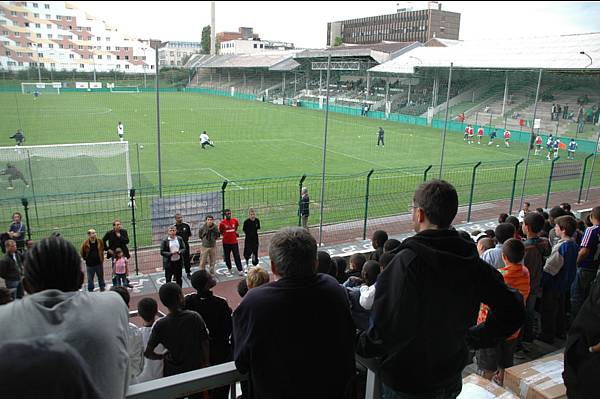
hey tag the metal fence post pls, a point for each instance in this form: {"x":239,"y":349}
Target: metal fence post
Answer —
{"x":512,"y":194}
{"x":223,"y":187}
{"x":472,"y":190}
{"x":300,"y":183}
{"x":367,"y":204}
{"x":425,"y":173}
{"x":550,"y":181}
{"x":26,"y":209}
{"x":135,"y":249}
{"x":583,"y":177}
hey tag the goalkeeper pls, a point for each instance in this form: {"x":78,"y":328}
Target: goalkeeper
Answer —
{"x":13,"y":173}
{"x":19,"y":137}
{"x":205,"y":140}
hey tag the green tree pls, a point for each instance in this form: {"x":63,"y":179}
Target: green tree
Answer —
{"x":338,"y":41}
{"x":205,"y":41}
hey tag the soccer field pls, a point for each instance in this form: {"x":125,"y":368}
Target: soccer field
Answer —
{"x":261,"y":149}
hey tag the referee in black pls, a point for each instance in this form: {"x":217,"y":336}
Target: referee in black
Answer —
{"x":380,"y":137}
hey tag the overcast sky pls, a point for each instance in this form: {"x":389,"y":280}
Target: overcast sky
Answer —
{"x":305,"y":22}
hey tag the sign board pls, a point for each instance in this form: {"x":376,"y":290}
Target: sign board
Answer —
{"x":82,"y":85}
{"x":537,"y":123}
{"x":193,"y":207}
{"x":95,"y":85}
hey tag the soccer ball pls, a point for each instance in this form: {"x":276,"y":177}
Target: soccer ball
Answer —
{"x":497,"y":145}
{"x":142,"y":147}
{"x":182,"y":131}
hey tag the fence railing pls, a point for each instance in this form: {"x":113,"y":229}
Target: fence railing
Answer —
{"x":352,"y":203}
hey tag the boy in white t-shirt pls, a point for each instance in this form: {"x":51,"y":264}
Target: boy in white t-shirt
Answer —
{"x":153,"y":369}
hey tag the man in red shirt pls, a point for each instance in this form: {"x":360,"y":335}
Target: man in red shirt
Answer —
{"x":507,"y":137}
{"x":228,"y":229}
{"x":479,"y":134}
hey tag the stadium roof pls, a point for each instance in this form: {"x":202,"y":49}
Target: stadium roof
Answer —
{"x":380,"y":52}
{"x":558,"y":53}
{"x":275,"y":61}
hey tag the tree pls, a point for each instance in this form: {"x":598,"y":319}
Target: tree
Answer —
{"x":205,"y":41}
{"x":338,"y":41}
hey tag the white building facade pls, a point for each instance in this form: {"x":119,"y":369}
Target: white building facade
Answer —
{"x":251,"y":46}
{"x":59,"y":36}
{"x":175,"y":53}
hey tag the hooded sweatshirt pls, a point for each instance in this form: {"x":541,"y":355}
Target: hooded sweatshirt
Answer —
{"x":425,"y":311}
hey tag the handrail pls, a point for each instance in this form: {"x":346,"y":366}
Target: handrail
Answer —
{"x":187,"y":383}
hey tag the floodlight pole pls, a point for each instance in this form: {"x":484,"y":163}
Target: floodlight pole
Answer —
{"x":587,"y":193}
{"x":324,"y":151}
{"x":156,"y":45}
{"x":537,"y":93}
{"x":446,"y":120}
{"x":587,"y":55}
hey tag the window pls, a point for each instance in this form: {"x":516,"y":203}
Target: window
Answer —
{"x":80,"y":47}
{"x":50,"y":45}
{"x":26,"y":24}
{"x":70,"y":27}
{"x":99,"y":56}
{"x":108,"y":57}
{"x":79,"y":28}
{"x":7,"y":53}
{"x":72,"y":56}
{"x":70,"y":46}
{"x":35,"y":5}
{"x":126,"y":66}
{"x":107,"y":48}
{"x":108,"y":39}
{"x":17,"y":34}
{"x":118,"y":57}
{"x":36,"y":15}
{"x":49,"y":26}
{"x":117,"y":48}
{"x":38,"y":35}
{"x":262,"y":46}
{"x":49,"y":35}
{"x":81,"y":66}
{"x":98,"y":38}
{"x":127,"y":57}
{"x":90,"y":57}
{"x":52,"y":65}
{"x":40,"y":55}
{"x":38,"y":26}
{"x":255,"y":46}
{"x":5,"y":32}
{"x":48,"y":16}
{"x":47,"y":6}
{"x":88,"y":29}
{"x":58,"y":17}
{"x":12,"y":63}
{"x":24,"y":4}
{"x":13,"y":13}
{"x":79,"y":38}
{"x":118,"y":66}
{"x":68,"y":17}
{"x":60,"y":46}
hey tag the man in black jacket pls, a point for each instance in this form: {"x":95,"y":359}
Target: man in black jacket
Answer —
{"x":184,"y":231}
{"x":116,"y":238}
{"x":295,"y":336}
{"x":427,"y":301}
{"x":11,"y":269}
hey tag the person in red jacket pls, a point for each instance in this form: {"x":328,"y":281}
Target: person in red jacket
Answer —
{"x":228,"y":229}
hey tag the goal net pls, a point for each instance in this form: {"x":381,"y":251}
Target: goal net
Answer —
{"x":68,"y":168}
{"x":125,"y":89}
{"x":42,"y":88}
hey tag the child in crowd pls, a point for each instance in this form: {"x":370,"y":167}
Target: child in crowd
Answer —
{"x":484,"y":244}
{"x":256,"y":277}
{"x":357,"y":262}
{"x":120,"y":269}
{"x":148,"y":311}
{"x":557,"y":278}
{"x":493,"y":361}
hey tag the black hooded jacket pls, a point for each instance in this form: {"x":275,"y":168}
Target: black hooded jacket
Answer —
{"x":426,"y":308}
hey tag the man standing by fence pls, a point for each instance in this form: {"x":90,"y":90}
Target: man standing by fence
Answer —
{"x":228,"y":228}
{"x":304,"y":207}
{"x":184,"y":231}
{"x":92,"y":252}
{"x":208,"y":233}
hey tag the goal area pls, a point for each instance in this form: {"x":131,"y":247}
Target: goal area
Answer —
{"x":42,"y":88}
{"x":69,"y":168}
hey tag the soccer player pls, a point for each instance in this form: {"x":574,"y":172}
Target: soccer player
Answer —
{"x":471,"y":134}
{"x":205,"y":140}
{"x":507,"y":137}
{"x":120,"y":130}
{"x":19,"y":137}
{"x":571,"y":149}
{"x":36,"y":94}
{"x":13,"y":173}
{"x":479,"y":134}
{"x":538,"y":144}
{"x":549,"y":146}
{"x":556,"y":146}
{"x":380,"y":135}
{"x":467,"y":133}
{"x":493,"y":135}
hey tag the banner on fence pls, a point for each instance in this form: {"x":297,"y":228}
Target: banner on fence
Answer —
{"x":193,"y":207}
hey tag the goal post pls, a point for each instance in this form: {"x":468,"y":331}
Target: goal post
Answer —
{"x":72,"y":168}
{"x":45,"y":88}
{"x":125,"y":89}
